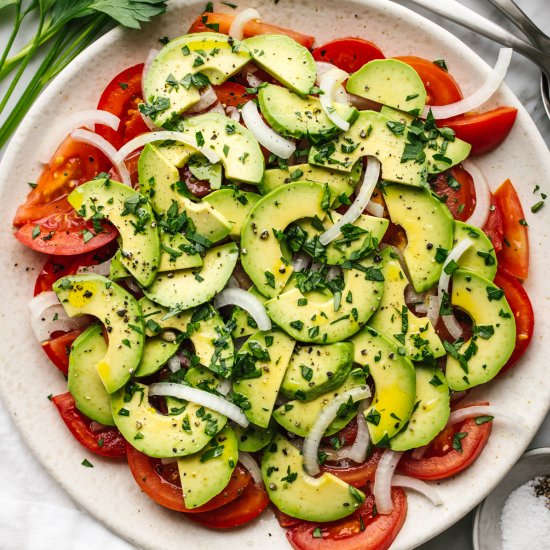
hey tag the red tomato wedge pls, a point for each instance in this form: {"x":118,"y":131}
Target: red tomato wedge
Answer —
{"x":483,"y":131}
{"x":461,"y":199}
{"x":232,"y":94}
{"x":359,"y":475}
{"x":514,"y":256}
{"x":363,"y":530}
{"x":107,"y":442}
{"x":162,"y":484}
{"x":348,"y":54}
{"x":494,"y":227}
{"x":121,"y":97}
{"x":59,"y":348}
{"x":523,"y":313}
{"x":441,"y":460}
{"x":221,"y":22}
{"x":441,"y":87}
{"x":248,"y":506}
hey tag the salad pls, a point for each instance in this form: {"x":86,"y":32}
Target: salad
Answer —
{"x":274,"y":274}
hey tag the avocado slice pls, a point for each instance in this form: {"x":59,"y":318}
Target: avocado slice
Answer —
{"x":205,"y":474}
{"x":298,"y":416}
{"x":260,"y":367}
{"x":293,"y":116}
{"x":431,"y":410}
{"x":131,"y":214}
{"x":158,"y":435}
{"x":245,"y":325}
{"x":394,"y":383}
{"x":158,"y":179}
{"x":339,"y":182}
{"x":156,"y":353}
{"x":253,"y":438}
{"x":298,"y":71}
{"x":390,"y":82}
{"x":171,"y":87}
{"x":480,"y":358}
{"x":84,"y":382}
{"x":176,"y":252}
{"x":119,"y":311}
{"x":441,"y":152}
{"x":429,"y":227}
{"x":415,"y":335}
{"x":189,"y":288}
{"x":299,"y":495}
{"x":234,"y":205}
{"x":311,"y":317}
{"x":203,"y":327}
{"x":261,"y":255}
{"x":370,"y":135}
{"x":117,"y":270}
{"x":480,"y":257}
{"x":314,"y":370}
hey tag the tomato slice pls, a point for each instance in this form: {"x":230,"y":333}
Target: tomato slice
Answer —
{"x":121,"y":97}
{"x":106,"y":442}
{"x":359,"y":475}
{"x":348,"y":54}
{"x":161,"y":483}
{"x":441,"y":461}
{"x":514,"y":255}
{"x":220,"y":22}
{"x":441,"y":87}
{"x":459,"y":195}
{"x":252,"y":502}
{"x":363,"y":530}
{"x":285,"y":520}
{"x":523,"y":313}
{"x":232,"y":94}
{"x":494,"y":227}
{"x":59,"y":348}
{"x":483,"y":131}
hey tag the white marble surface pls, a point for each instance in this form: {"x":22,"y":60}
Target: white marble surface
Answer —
{"x":46,"y":517}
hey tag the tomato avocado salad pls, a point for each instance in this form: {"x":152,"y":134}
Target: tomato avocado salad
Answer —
{"x":274,"y":274}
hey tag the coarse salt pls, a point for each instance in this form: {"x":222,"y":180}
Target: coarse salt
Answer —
{"x":525,"y":518}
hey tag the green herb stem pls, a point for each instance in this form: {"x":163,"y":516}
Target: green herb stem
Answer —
{"x":16,"y":26}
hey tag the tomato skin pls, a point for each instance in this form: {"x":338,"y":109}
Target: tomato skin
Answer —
{"x":514,"y":256}
{"x":166,"y":490}
{"x":252,"y":28}
{"x":107,"y":442}
{"x":359,"y":475}
{"x":232,"y":94}
{"x":348,"y":54}
{"x":461,"y":202}
{"x":494,"y":228}
{"x":248,"y":506}
{"x":483,"y":131}
{"x":434,"y":466}
{"x":441,"y":87}
{"x":285,"y":520}
{"x":346,"y":534}
{"x":521,"y":307}
{"x":58,"y":349}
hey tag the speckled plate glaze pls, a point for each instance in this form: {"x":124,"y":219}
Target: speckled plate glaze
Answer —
{"x":108,"y":491}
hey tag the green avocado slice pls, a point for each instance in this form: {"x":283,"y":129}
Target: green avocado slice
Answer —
{"x":156,"y":353}
{"x":480,"y":257}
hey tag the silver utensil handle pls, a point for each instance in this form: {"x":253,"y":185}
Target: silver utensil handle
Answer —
{"x":518,"y":17}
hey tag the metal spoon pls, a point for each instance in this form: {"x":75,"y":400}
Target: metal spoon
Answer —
{"x":458,"y":13}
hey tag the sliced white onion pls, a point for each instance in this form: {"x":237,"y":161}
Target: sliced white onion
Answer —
{"x":253,"y":80}
{"x":323,"y":421}
{"x":252,"y":466}
{"x":246,"y":301}
{"x":375,"y":209}
{"x":434,"y":303}
{"x":150,"y":56}
{"x":100,"y":143}
{"x":459,"y":415}
{"x":413,"y":297}
{"x":358,"y":451}
{"x":48,"y":316}
{"x":334,"y":272}
{"x":383,"y":480}
{"x":200,"y":397}
{"x":301,"y":261}
{"x":452,"y":326}
{"x":103,"y":268}
{"x":419,"y":452}
{"x":224,"y":386}
{"x":236,"y":30}
{"x":66,"y":124}
{"x":419,"y":486}
{"x":481,"y":95}
{"x":328,"y":83}
{"x":370,"y":179}
{"x":232,"y":282}
{"x":483,"y":195}
{"x":96,"y":426}
{"x":270,"y":139}
{"x":208,"y":97}
{"x":340,"y":95}
{"x":165,"y":135}
{"x":322,"y":68}
{"x":217,"y":108}
{"x":233,"y":113}
{"x":174,"y":364}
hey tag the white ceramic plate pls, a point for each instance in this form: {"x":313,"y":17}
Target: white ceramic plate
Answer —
{"x":108,"y":491}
